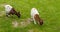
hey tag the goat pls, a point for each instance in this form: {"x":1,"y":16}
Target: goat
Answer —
{"x":10,"y":10}
{"x":35,"y":16}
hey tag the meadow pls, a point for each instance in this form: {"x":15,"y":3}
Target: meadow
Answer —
{"x":49,"y":11}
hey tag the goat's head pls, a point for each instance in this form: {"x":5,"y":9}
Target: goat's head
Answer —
{"x":18,"y":14}
{"x":41,"y":22}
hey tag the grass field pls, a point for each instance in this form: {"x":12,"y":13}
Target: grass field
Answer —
{"x":49,"y":11}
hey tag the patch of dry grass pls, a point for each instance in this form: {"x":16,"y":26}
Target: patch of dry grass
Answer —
{"x":22,"y":24}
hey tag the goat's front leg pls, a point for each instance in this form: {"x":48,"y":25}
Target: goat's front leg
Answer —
{"x":34,"y":21}
{"x":7,"y":14}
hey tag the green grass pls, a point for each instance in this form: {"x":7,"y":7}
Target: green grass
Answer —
{"x":49,"y":11}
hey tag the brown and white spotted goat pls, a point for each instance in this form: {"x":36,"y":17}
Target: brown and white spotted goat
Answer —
{"x":35,"y":16}
{"x":10,"y":10}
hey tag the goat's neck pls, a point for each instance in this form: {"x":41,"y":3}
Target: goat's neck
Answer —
{"x":16,"y":13}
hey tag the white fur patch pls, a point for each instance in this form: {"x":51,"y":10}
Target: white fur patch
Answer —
{"x":34,"y":11}
{"x":8,"y":8}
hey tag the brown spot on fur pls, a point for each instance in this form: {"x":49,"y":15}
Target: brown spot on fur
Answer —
{"x":38,"y":19}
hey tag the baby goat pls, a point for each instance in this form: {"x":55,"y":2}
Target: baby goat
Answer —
{"x":35,"y":16}
{"x":10,"y":10}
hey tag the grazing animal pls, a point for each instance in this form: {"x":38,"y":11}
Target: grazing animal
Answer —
{"x":35,"y":16}
{"x":10,"y":10}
